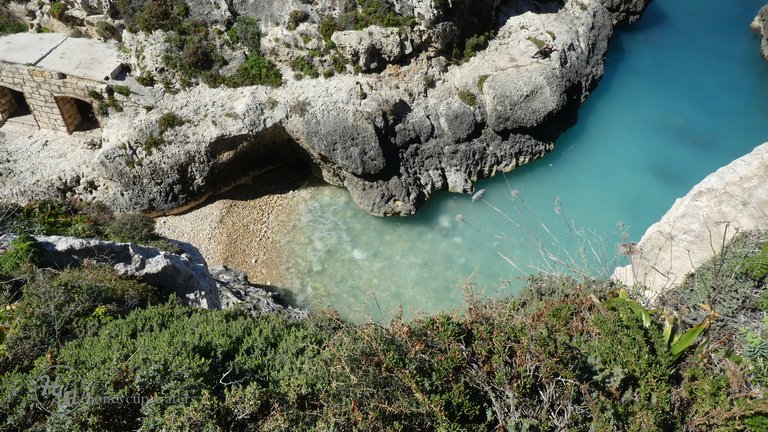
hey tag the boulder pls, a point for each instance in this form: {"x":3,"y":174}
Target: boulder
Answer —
{"x":760,"y":24}
{"x":186,"y":274}
{"x":374,"y":47}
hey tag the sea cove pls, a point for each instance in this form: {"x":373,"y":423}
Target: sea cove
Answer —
{"x":684,"y":93}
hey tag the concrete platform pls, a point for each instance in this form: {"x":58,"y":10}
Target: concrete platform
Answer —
{"x":84,"y":58}
{"x":28,"y":48}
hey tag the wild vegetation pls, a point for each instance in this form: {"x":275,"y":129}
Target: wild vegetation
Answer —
{"x":194,"y":52}
{"x":9,"y":23}
{"x":565,"y":354}
{"x":91,"y":220}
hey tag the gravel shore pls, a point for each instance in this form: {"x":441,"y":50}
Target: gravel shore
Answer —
{"x":242,"y":228}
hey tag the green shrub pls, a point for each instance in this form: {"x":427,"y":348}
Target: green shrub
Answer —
{"x":190,"y":55}
{"x":152,"y":142}
{"x":328,"y":26}
{"x":339,"y":63}
{"x":468,"y":97}
{"x":169,"y":120}
{"x":46,"y":218}
{"x":723,"y":284}
{"x":106,"y":30}
{"x":163,"y":15}
{"x":80,"y":220}
{"x":58,"y":306}
{"x":380,"y":13}
{"x":305,"y":67}
{"x":146,"y":79}
{"x":474,"y":44}
{"x":556,"y":358}
{"x":24,"y":250}
{"x":131,"y":227}
{"x":103,"y":109}
{"x":256,"y":70}
{"x":122,"y":90}
{"x":57,"y":9}
{"x":364,"y":13}
{"x":246,"y":32}
{"x":481,"y":82}
{"x":756,"y":267}
{"x":95,"y":95}
{"x":297,"y":17}
{"x":10,"y":24}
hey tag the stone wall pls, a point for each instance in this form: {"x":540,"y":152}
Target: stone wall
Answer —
{"x":7,"y":104}
{"x":49,"y":95}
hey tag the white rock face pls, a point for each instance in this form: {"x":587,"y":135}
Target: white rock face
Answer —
{"x":760,"y":24}
{"x":392,"y":137}
{"x":187,"y":274}
{"x":180,"y":273}
{"x":368,"y":46}
{"x":732,"y":199}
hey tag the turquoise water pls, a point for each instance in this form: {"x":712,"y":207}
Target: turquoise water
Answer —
{"x":685,"y":92}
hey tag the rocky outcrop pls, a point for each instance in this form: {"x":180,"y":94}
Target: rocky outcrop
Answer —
{"x":236,"y":290}
{"x":732,"y":199}
{"x":760,"y":24}
{"x":187,"y":274}
{"x":375,"y":47}
{"x":392,"y":138}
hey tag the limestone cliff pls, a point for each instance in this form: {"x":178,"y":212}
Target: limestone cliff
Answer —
{"x":760,"y":24}
{"x":409,"y":125}
{"x":732,"y":199}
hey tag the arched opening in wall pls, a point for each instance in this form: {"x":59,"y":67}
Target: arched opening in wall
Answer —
{"x":13,"y":105}
{"x":78,"y":114}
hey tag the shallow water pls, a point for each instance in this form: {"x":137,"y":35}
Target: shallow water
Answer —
{"x":685,"y":92}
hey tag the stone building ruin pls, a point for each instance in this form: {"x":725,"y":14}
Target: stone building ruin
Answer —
{"x":53,"y":81}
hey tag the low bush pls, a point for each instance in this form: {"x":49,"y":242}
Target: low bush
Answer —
{"x":328,"y":26}
{"x":131,"y":227}
{"x":297,"y":17}
{"x":246,"y":32}
{"x":191,"y":55}
{"x":559,"y":357}
{"x":57,"y":10}
{"x":10,"y":23}
{"x":58,"y":306}
{"x":163,"y":15}
{"x":481,"y":82}
{"x":106,"y":30}
{"x":169,"y":120}
{"x":475,"y":44}
{"x":756,"y":267}
{"x":122,"y":90}
{"x":468,"y":97}
{"x":89,"y":220}
{"x":563,"y":355}
{"x":24,"y":250}
{"x":305,"y":67}
{"x":256,"y":70}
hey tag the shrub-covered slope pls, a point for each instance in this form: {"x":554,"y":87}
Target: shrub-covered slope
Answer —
{"x":564,"y":355}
